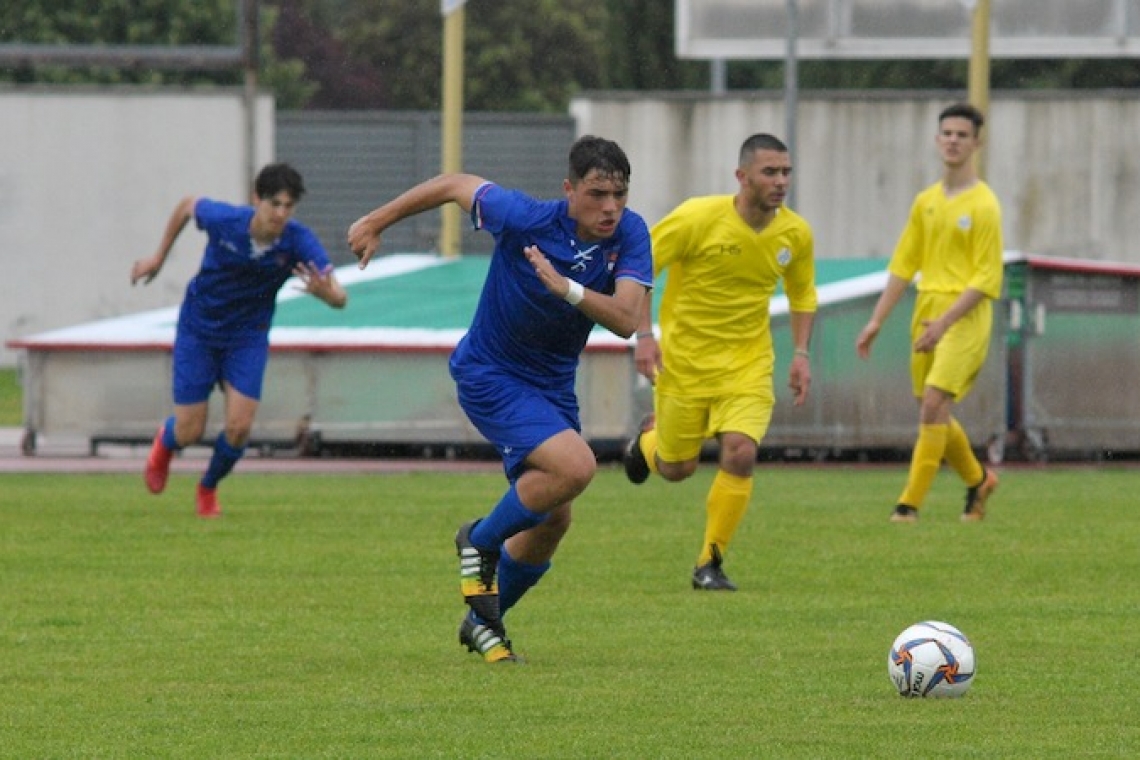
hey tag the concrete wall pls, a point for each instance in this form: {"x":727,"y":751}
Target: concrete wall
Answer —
{"x":88,"y":178}
{"x":1065,"y":165}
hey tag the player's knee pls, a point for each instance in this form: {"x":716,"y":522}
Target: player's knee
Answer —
{"x":578,"y":473}
{"x":188,"y":432}
{"x":237,"y":435}
{"x":741,"y":463}
{"x":675,"y":472}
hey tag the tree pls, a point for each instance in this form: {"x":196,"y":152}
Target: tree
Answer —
{"x":520,"y":55}
{"x":142,"y":22}
{"x":639,"y":50}
{"x":525,"y":55}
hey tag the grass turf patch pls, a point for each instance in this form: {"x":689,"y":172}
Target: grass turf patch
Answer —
{"x":11,"y":399}
{"x":318,"y":619}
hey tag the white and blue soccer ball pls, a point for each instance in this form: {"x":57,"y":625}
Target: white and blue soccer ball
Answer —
{"x":931,"y":659}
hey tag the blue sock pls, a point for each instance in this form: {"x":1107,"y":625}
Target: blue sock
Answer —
{"x":515,"y":579}
{"x":168,"y":439}
{"x":508,"y":517}
{"x":224,"y":458}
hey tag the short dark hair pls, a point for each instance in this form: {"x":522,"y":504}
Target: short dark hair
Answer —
{"x":606,"y":156}
{"x":274,"y":178}
{"x":963,"y":111}
{"x":760,"y":141}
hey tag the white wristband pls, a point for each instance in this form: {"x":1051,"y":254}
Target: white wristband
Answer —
{"x":575,"y":294}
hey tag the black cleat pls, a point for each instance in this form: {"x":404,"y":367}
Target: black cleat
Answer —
{"x":904,"y":514}
{"x":636,"y":468}
{"x":710,"y":576}
{"x":477,"y":580}
{"x":491,"y":643}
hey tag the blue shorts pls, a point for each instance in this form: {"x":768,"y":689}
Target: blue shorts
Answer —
{"x":515,"y":416}
{"x":199,"y":366}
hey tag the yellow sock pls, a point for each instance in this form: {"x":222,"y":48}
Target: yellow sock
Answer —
{"x":648,"y":444}
{"x":924,"y":463}
{"x":725,"y":507}
{"x":961,"y":457}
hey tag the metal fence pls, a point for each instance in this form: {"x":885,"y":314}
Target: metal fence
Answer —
{"x":354,"y":161}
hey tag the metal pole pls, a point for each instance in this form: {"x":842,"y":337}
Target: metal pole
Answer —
{"x":718,"y":76}
{"x":249,"y":93}
{"x":452,"y":123}
{"x":979,"y":94}
{"x":791,"y":91}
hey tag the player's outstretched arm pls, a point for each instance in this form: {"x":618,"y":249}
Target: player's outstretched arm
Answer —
{"x":619,"y":313}
{"x":147,"y":269}
{"x":364,"y":234}
{"x":321,"y":283}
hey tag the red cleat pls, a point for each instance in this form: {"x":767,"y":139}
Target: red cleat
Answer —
{"x":208,"y":506}
{"x":157,"y":465}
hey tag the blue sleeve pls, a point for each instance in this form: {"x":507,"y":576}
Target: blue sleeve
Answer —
{"x":207,"y":213}
{"x":307,"y":246}
{"x":636,"y":260}
{"x":497,"y":210}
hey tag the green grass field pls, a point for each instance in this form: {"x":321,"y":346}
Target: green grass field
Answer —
{"x":11,"y":399}
{"x":317,"y":620}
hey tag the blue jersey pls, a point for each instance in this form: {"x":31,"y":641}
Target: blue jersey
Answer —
{"x":234,"y":294}
{"x":519,"y":326}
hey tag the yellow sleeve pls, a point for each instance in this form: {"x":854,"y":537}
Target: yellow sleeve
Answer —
{"x":987,"y":250}
{"x":907,"y":258}
{"x":799,"y":277}
{"x":671,"y":238}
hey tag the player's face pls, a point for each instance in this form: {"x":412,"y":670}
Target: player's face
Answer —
{"x":271,"y":214}
{"x":764,"y":183}
{"x":957,"y":141}
{"x":596,"y":204}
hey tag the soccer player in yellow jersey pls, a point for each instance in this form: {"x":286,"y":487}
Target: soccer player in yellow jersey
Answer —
{"x":712,"y":370}
{"x":953,"y":239}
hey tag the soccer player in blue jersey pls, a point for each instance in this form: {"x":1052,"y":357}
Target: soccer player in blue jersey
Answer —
{"x":222,"y":336}
{"x":559,"y":267}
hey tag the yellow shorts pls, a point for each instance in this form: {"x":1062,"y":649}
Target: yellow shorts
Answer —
{"x":955,"y":362}
{"x":684,"y":424}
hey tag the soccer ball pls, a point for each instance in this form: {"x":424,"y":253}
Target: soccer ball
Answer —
{"x":931,"y":659}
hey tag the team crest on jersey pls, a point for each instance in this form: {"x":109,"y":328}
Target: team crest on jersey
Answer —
{"x":611,"y":259}
{"x":582,"y":258}
{"x":965,"y":222}
{"x":784,"y":257}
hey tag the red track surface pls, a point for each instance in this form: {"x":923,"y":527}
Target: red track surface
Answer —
{"x":74,"y":458}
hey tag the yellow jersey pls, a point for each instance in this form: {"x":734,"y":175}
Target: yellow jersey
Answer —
{"x":714,"y":314}
{"x":954,"y":242}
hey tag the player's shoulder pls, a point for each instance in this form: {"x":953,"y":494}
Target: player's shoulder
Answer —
{"x":699,"y":211}
{"x":208,"y":208}
{"x":707,"y":205}
{"x":790,"y":218}
{"x":299,"y":238}
{"x":632,"y":222}
{"x":929,"y":193}
{"x":517,"y":204}
{"x":219,"y":217}
{"x":986,"y":194}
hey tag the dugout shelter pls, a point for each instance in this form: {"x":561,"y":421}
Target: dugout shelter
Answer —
{"x":374,"y":377}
